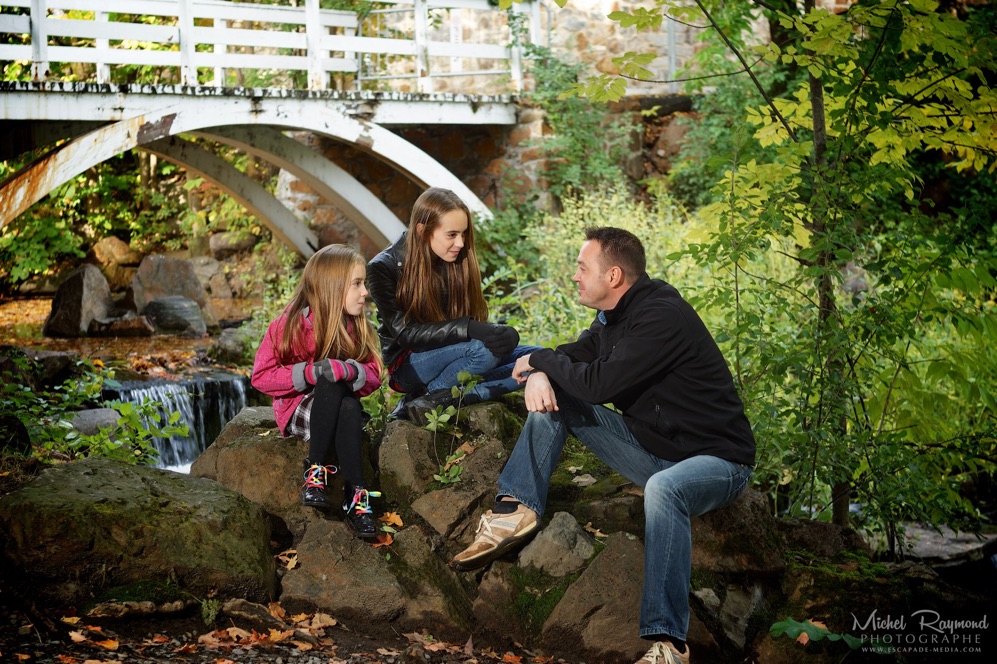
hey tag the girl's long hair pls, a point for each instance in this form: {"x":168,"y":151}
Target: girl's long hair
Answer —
{"x":428,"y":282}
{"x":322,"y":288}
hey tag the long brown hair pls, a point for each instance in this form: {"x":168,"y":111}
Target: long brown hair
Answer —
{"x":322,"y":288}
{"x":420,"y":292}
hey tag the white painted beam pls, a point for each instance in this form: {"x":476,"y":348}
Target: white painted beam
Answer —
{"x":244,"y":189}
{"x":371,"y":216}
{"x":24,"y":100}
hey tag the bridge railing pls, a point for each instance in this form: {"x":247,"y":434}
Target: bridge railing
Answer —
{"x":223,"y":43}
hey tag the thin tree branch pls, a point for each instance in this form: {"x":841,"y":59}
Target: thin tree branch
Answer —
{"x":693,"y":78}
{"x":688,"y":25}
{"x":754,"y":79}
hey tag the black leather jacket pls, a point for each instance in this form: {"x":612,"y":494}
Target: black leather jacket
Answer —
{"x":397,"y":336}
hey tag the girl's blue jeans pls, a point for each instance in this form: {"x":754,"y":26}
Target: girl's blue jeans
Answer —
{"x":674,"y":492}
{"x":436,"y":369}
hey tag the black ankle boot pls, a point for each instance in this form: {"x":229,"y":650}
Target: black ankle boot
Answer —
{"x":357,"y":512}
{"x":313,"y":490}
{"x":417,"y":408}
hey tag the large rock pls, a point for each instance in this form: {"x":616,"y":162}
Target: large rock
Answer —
{"x":81,"y":298}
{"x":117,"y":261}
{"x":598,"y":618}
{"x":211,"y":274}
{"x":560,"y":549}
{"x":251,"y":458}
{"x":96,"y":525}
{"x":175,"y":314}
{"x":343,"y":575}
{"x":159,"y":276}
{"x":230,"y":243}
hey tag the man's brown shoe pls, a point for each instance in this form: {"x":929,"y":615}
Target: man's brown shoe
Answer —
{"x":497,"y":534}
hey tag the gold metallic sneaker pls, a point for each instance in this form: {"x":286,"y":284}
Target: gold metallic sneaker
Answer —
{"x":497,"y":534}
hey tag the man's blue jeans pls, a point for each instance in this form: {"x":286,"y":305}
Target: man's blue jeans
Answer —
{"x":437,"y":369}
{"x":673,"y":494}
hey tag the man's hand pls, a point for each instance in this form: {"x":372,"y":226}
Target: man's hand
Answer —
{"x":539,"y":394}
{"x":522,"y":368}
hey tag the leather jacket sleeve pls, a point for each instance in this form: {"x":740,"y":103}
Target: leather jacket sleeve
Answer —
{"x":397,"y":335}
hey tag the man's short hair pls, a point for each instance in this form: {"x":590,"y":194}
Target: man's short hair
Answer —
{"x":620,"y":248}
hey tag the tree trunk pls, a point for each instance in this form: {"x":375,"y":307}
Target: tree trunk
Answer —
{"x":833,"y":400}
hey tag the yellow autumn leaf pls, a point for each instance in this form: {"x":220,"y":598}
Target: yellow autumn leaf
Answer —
{"x":77,"y":637}
{"x":71,"y":620}
{"x":391,"y":518}
{"x":109,"y":644}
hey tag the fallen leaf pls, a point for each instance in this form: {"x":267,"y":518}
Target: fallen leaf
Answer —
{"x":299,"y":618}
{"x":322,"y":620}
{"x":391,"y":519}
{"x":223,"y":660}
{"x":238,"y":633}
{"x":276,"y":610}
{"x":187,"y":648}
{"x":594,"y":531}
{"x":156,"y":640}
{"x":383,"y":540}
{"x":803,"y":639}
{"x":109,"y":644}
{"x":77,"y":637}
{"x":574,"y":469}
{"x":66,"y":659}
{"x":71,"y":620}
{"x":21,"y":657}
{"x":817,"y":623}
{"x":512,"y":659}
{"x":388,"y":653}
{"x":469,"y":646}
{"x":301,"y":645}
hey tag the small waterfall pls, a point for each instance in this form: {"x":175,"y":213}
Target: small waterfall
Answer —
{"x":205,"y":404}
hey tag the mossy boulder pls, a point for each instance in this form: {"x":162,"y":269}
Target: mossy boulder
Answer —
{"x":81,"y":528}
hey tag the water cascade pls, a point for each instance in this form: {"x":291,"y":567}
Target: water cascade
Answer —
{"x":205,"y":404}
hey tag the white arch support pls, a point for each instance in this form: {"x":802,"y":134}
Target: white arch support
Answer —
{"x":35,"y":181}
{"x":354,"y":200}
{"x":244,"y":189}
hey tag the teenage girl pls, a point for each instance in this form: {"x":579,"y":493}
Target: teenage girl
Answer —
{"x":316,"y":360}
{"x":433,"y":316}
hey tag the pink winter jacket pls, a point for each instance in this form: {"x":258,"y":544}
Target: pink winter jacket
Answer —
{"x":286,"y":383}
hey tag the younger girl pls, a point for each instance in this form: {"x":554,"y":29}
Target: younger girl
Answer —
{"x":316,"y":359}
{"x":434,"y":320}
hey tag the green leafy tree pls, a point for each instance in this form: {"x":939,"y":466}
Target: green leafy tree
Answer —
{"x":869,"y":368}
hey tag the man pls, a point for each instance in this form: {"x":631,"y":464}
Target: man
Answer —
{"x":682,"y":434}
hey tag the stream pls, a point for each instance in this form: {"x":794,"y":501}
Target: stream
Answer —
{"x":206,"y":397}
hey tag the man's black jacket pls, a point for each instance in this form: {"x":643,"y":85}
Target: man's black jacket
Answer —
{"x":653,"y":359}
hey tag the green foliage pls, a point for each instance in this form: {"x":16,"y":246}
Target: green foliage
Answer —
{"x":860,"y":332}
{"x":444,"y":419}
{"x":543,"y":307}
{"x":793,"y":629}
{"x":46,"y":415}
{"x":131,"y":438}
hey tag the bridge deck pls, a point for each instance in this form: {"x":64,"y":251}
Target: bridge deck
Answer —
{"x":93,"y":102}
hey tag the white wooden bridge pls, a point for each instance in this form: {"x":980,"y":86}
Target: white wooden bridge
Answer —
{"x":242,"y":74}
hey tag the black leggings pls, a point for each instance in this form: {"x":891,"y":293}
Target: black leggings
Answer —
{"x":335,"y":416}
